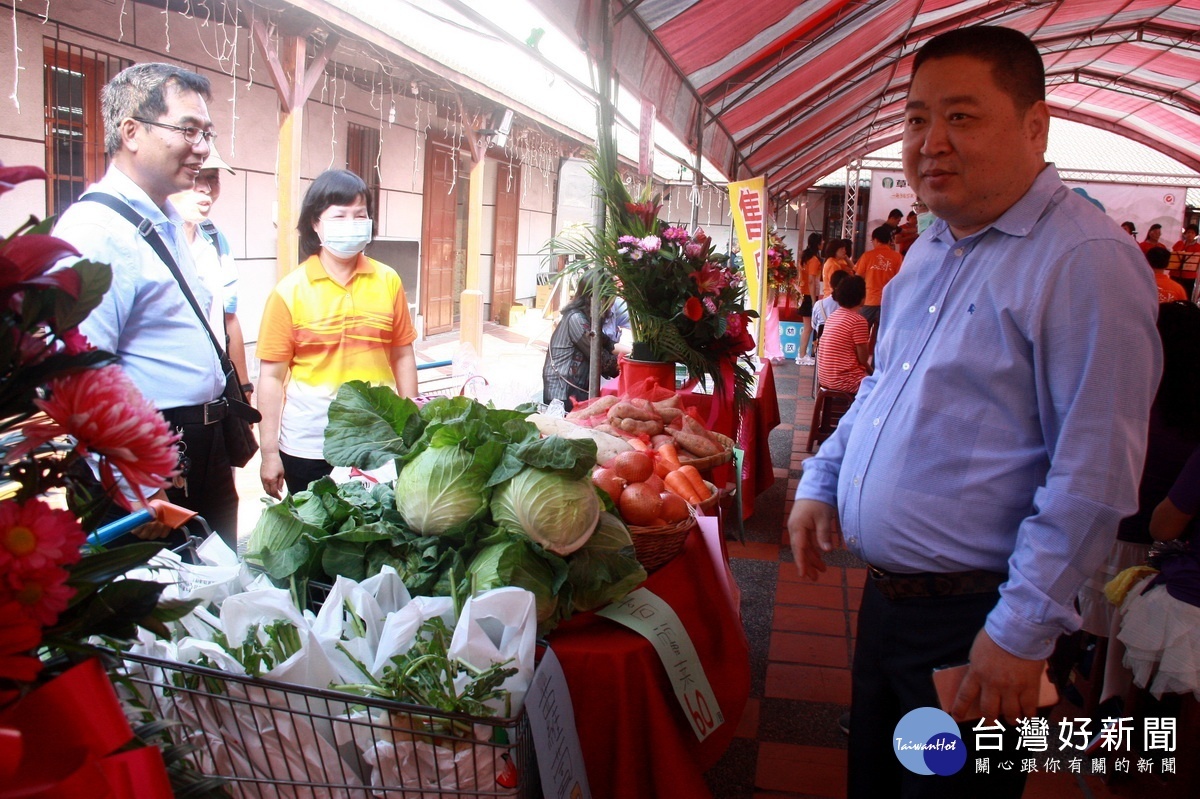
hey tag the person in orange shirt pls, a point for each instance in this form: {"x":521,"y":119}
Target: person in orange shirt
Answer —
{"x":837,"y":259}
{"x":340,"y":316}
{"x":1168,"y":289}
{"x":810,"y":285}
{"x":1151,"y":242}
{"x":877,"y":266}
{"x":908,"y":233}
{"x":1188,"y":243}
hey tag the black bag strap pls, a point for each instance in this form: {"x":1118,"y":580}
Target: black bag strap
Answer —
{"x":145,"y":229}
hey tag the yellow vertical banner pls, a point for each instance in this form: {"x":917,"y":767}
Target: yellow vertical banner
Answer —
{"x":748,"y":200}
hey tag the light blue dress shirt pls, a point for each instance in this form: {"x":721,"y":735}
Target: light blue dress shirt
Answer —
{"x":1005,"y":425}
{"x":144,"y":317}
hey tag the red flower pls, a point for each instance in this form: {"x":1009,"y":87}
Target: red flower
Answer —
{"x":106,"y":414}
{"x":646,"y":213}
{"x":10,"y":176}
{"x":40,"y":594}
{"x":693,"y":309}
{"x":75,"y":342}
{"x":710,"y":279}
{"x":25,"y":261}
{"x":19,"y":635}
{"x":34,"y":535}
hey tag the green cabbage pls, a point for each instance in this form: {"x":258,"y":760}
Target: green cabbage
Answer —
{"x":442,"y":488}
{"x":515,"y":561}
{"x":556,"y":511}
{"x":605,"y":568}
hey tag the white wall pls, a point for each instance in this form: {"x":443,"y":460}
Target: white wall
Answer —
{"x":245,"y":112}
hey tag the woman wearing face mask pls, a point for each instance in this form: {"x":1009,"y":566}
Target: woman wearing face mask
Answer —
{"x":340,"y":316}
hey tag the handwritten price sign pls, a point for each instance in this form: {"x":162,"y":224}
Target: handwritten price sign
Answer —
{"x":649,"y":616}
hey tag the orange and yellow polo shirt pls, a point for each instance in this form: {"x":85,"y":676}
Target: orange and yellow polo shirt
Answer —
{"x":329,"y":334}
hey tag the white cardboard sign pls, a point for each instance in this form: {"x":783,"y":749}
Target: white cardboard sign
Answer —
{"x":555,"y":739}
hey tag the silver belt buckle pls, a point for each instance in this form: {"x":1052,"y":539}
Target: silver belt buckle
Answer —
{"x":216,"y":408}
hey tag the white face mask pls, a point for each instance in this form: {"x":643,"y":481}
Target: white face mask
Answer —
{"x":346,"y":237}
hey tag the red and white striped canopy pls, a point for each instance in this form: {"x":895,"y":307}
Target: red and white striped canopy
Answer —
{"x":795,"y":90}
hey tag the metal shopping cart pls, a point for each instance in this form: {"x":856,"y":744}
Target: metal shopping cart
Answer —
{"x":272,"y":740}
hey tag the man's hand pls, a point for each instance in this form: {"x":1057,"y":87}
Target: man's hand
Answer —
{"x":1005,"y":686}
{"x":152,"y":531}
{"x":813,"y":528}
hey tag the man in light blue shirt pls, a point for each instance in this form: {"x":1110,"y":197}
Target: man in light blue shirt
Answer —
{"x":157,"y":132}
{"x":985,"y":465}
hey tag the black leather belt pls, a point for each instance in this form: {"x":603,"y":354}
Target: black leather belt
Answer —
{"x":208,"y":413}
{"x":932,"y":584}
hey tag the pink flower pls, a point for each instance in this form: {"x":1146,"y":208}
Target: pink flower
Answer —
{"x":106,"y":414}
{"x":735,"y":324}
{"x":34,"y":535}
{"x":692,"y":309}
{"x":675,"y":234}
{"x":650,"y":243}
{"x":710,"y":304}
{"x":693,"y":250}
{"x":40,"y":594}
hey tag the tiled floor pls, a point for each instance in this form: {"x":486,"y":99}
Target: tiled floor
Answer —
{"x":801,"y":641}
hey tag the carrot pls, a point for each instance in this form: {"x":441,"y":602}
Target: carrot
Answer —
{"x":661,"y":467}
{"x":693,"y":476}
{"x":669,"y":453}
{"x":678,"y":484}
{"x":638,"y":443}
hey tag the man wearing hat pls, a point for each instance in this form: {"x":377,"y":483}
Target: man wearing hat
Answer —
{"x":214,"y":261}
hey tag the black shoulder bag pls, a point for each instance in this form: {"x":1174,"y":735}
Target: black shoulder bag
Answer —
{"x":240,"y":443}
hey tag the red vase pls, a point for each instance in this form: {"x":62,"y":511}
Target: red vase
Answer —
{"x":635,"y":371}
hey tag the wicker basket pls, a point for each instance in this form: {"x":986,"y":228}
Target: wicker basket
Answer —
{"x":709,"y":506}
{"x":708,"y":462}
{"x":656,"y":546}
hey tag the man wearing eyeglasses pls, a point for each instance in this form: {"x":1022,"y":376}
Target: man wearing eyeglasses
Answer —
{"x":158,"y":134}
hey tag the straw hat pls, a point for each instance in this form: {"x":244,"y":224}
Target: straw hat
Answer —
{"x":214,"y":161}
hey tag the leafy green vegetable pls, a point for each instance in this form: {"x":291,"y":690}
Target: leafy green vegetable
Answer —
{"x":515,"y":560}
{"x":606,"y":568}
{"x":445,"y":487}
{"x":556,"y":511}
{"x":265,"y":647}
{"x":370,"y":426}
{"x":425,"y":675}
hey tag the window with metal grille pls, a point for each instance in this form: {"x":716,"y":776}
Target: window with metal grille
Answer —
{"x":362,"y":158}
{"x":74,"y":125}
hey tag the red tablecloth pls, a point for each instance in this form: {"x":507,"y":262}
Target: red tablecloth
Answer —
{"x":636,"y":742}
{"x":753,"y":435}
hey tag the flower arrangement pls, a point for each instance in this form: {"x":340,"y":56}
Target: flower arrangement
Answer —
{"x":782,"y":273}
{"x":686,"y":301}
{"x":61,"y":400}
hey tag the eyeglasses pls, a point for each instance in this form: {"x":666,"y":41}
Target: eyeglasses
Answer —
{"x":191,"y":133}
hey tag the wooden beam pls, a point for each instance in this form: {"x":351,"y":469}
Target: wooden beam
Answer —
{"x":262,"y":38}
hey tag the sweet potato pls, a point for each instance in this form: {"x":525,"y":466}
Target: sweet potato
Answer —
{"x":648,"y":427}
{"x":701,"y":446}
{"x":598,"y":406}
{"x":633,"y":409}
